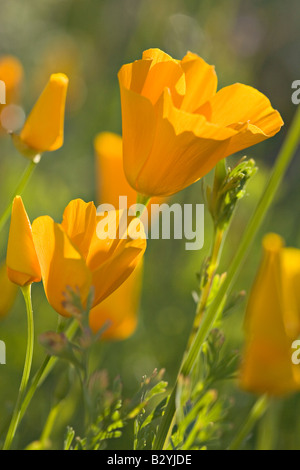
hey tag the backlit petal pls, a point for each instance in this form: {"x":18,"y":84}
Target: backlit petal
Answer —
{"x":119,"y":310}
{"x":79,"y":222}
{"x":22,"y":263}
{"x":201,"y":82}
{"x":62,"y":265}
{"x":44,"y":127}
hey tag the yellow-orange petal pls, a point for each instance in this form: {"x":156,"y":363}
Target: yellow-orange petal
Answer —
{"x":44,"y":128}
{"x":119,"y":311}
{"x":291,"y":290}
{"x":79,"y":222}
{"x":246,"y":110}
{"x":267,"y":368}
{"x":22,"y":262}
{"x":201,"y":82}
{"x":110,"y":260}
{"x":185,"y":148}
{"x":138,"y":129}
{"x":267,"y":364}
{"x":151,"y":75}
{"x":62,"y":265}
{"x":110,"y":177}
{"x":8,"y":292}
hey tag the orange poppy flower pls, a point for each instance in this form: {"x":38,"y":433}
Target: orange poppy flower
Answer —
{"x":272,"y":323}
{"x":72,"y":256}
{"x":176,"y":126}
{"x":44,"y":128}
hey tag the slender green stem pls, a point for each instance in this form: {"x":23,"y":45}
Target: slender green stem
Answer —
{"x":45,"y":369}
{"x":49,"y":425}
{"x":18,"y":191}
{"x":285,"y":156}
{"x":255,"y":414}
{"x":26,"y":371}
{"x":268,"y":427}
{"x":213,"y":265}
{"x":41,"y":375}
{"x":216,"y":250}
{"x":141,"y":200}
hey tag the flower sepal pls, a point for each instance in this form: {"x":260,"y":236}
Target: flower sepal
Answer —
{"x":25,"y":150}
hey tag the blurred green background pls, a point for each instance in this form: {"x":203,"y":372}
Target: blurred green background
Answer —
{"x":253,"y":42}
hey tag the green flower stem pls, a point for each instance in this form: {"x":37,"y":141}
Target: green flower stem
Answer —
{"x":255,"y":414}
{"x":268,"y":427}
{"x":45,"y":369}
{"x":18,"y":191}
{"x":284,"y":158}
{"x":44,"y":439}
{"x":26,"y":290}
{"x":218,"y":239}
{"x":39,"y":378}
{"x":144,"y":200}
{"x":213,"y":265}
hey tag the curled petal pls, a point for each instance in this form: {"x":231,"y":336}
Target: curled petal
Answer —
{"x":112,"y":260}
{"x":248,"y":111}
{"x":190,"y":146}
{"x":79,"y":222}
{"x":201,"y":82}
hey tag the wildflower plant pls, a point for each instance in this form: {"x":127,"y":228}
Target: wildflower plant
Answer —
{"x":176,"y":128}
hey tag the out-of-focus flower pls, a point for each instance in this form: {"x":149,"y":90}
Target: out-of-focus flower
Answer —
{"x":11,"y":73}
{"x":110,"y":178}
{"x":44,"y":128}
{"x":272,"y":322}
{"x":176,"y":127}
{"x":74,"y":256}
{"x":8,"y":292}
{"x":23,"y":266}
{"x":118,"y":313}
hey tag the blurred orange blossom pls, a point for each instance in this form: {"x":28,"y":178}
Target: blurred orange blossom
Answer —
{"x":273,"y":322}
{"x":119,"y":310}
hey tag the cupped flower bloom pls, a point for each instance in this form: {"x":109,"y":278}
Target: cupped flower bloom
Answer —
{"x":78,"y":255}
{"x":176,"y":126}
{"x":272,"y":322}
{"x":22,"y":263}
{"x":43,"y":130}
{"x":8,"y":292}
